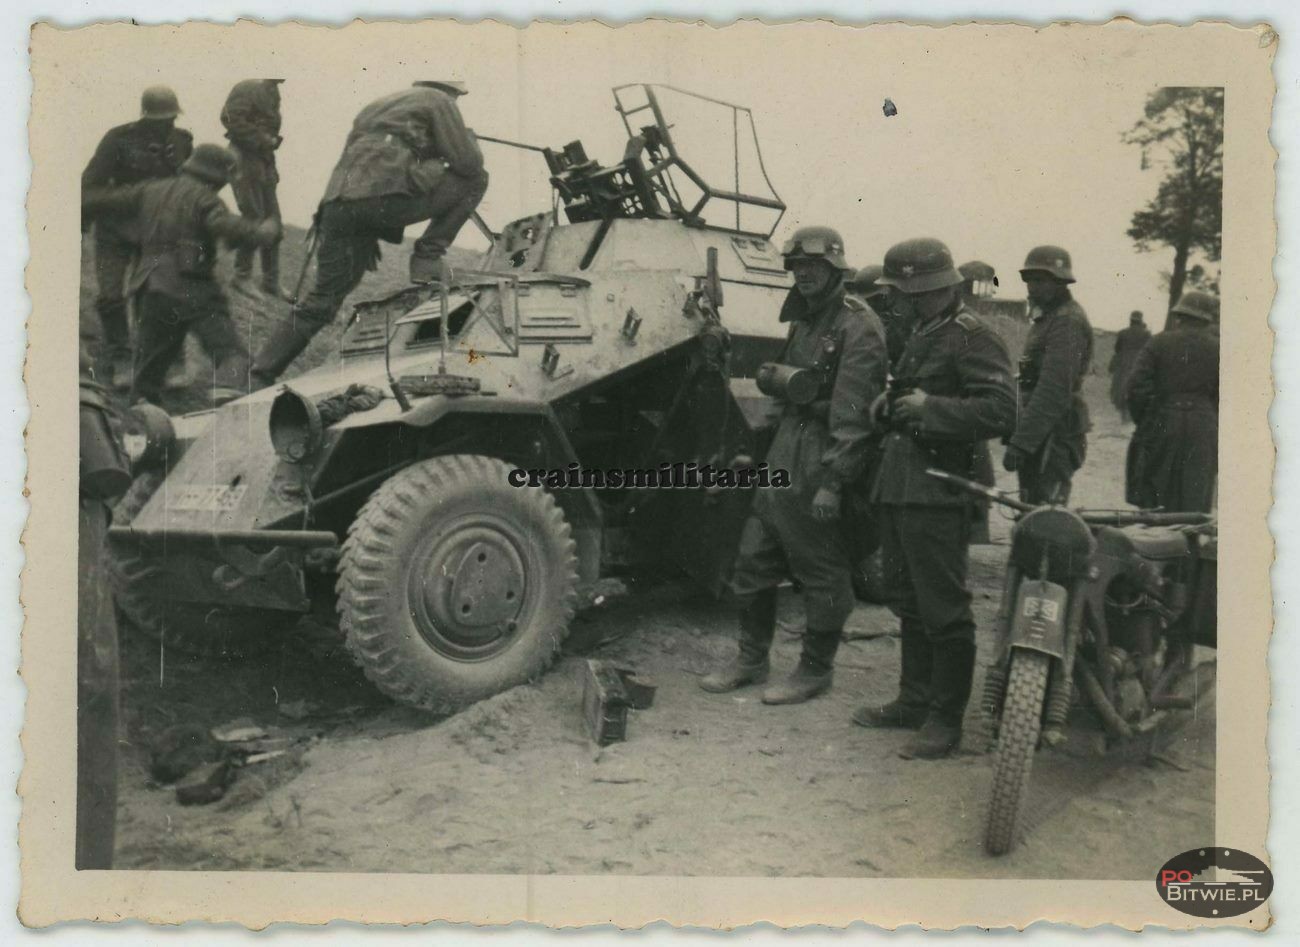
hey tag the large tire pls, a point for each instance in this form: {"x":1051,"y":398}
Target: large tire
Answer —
{"x":202,"y":630}
{"x":1022,"y":720}
{"x":454,"y":585}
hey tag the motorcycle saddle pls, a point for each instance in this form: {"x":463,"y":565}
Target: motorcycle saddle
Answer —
{"x":1157,"y":542}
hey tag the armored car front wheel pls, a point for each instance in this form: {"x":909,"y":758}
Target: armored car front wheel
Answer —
{"x":454,"y":585}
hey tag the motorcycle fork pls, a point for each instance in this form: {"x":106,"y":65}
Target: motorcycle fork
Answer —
{"x":995,"y":678}
{"x":1060,"y":689}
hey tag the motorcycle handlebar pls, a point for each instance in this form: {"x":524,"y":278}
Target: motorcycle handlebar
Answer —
{"x":1092,"y":517}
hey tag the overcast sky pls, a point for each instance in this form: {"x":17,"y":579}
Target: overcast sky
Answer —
{"x":1000,"y":141}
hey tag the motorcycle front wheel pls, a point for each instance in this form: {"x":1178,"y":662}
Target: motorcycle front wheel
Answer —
{"x":1022,"y":720}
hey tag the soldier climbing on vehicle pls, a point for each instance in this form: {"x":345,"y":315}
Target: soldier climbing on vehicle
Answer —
{"x":408,"y":158}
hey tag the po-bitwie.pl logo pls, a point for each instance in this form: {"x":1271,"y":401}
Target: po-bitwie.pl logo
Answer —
{"x":1214,"y":882}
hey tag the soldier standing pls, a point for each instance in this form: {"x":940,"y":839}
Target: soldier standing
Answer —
{"x":408,"y":158}
{"x":104,"y":474}
{"x":865,"y":285}
{"x":1173,"y":394}
{"x":952,"y":391}
{"x":1128,"y":343}
{"x":251,"y":117}
{"x":151,"y":147}
{"x":1051,"y":441}
{"x":179,"y":221}
{"x":799,"y":532}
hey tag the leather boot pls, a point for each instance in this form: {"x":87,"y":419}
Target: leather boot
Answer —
{"x":428,"y":269}
{"x":909,"y":709}
{"x":750,"y":666}
{"x":950,"y":684}
{"x":286,"y":341}
{"x":813,"y":674}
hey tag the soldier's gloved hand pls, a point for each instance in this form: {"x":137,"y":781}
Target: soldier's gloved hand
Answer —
{"x":1014,"y":458}
{"x":908,"y":407}
{"x":826,"y":505}
{"x":268,"y":231}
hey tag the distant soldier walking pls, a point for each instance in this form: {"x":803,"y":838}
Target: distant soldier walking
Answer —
{"x":251,"y":117}
{"x":1173,"y":394}
{"x":1128,"y":343}
{"x":1051,"y":437}
{"x":179,"y":221}
{"x":952,"y":391}
{"x":149,"y":148}
{"x":800,"y":532}
{"x":408,"y":158}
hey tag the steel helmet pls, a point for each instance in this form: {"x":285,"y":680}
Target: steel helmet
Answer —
{"x":1204,"y":306}
{"x":1049,"y":259}
{"x":865,"y":282}
{"x":821,"y":243}
{"x":210,"y":163}
{"x":453,"y":86}
{"x":919,"y":266}
{"x":159,"y":102}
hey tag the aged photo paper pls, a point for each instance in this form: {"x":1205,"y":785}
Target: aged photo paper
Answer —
{"x":590,"y":475}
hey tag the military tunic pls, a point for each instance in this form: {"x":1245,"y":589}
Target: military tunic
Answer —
{"x":823,"y":444}
{"x":179,"y":222}
{"x":1128,"y":343}
{"x":252,"y":120}
{"x":965,"y":372}
{"x":1053,"y":422}
{"x":128,"y":154}
{"x":1173,"y":394}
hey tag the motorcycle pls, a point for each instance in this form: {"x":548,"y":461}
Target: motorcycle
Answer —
{"x":1106,"y":604}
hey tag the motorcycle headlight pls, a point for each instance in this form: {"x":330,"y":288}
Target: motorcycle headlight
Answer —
{"x":296,"y":429}
{"x":147,"y":436}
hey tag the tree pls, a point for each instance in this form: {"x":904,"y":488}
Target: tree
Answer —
{"x":1182,"y":131}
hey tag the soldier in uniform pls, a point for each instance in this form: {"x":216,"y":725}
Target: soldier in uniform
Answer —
{"x":1173,"y":394}
{"x":1051,"y":438}
{"x":104,"y":475}
{"x":800,"y":532}
{"x":251,"y":117}
{"x":179,"y":221}
{"x":408,"y":158}
{"x":865,"y":285}
{"x":951,"y":392}
{"x":151,"y":147}
{"x":1128,"y":343}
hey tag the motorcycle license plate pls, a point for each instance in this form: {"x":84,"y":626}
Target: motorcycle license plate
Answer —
{"x":1040,"y":617}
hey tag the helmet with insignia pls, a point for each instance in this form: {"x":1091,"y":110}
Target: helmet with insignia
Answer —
{"x":210,"y":163}
{"x":1051,"y":260}
{"x":865,"y":282}
{"x":1203,"y":306}
{"x":820,"y":243}
{"x":920,"y":265}
{"x":452,"y":86}
{"x":159,"y":102}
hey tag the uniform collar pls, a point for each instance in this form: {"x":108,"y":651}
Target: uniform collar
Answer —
{"x":943,"y":318}
{"x":1036,"y":313}
{"x":798,"y":308}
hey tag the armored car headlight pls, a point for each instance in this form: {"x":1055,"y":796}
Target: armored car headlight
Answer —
{"x":296,"y":429}
{"x":147,"y":435}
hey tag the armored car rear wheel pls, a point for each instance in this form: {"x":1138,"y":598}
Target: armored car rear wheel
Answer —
{"x":454,"y":585}
{"x":203,"y":630}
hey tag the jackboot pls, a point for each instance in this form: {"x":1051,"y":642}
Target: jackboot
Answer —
{"x":950,"y":684}
{"x":750,"y":665}
{"x":285,"y":343}
{"x":814,"y":672}
{"x":909,"y":709}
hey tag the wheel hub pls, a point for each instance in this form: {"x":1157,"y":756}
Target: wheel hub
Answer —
{"x":468,"y":590}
